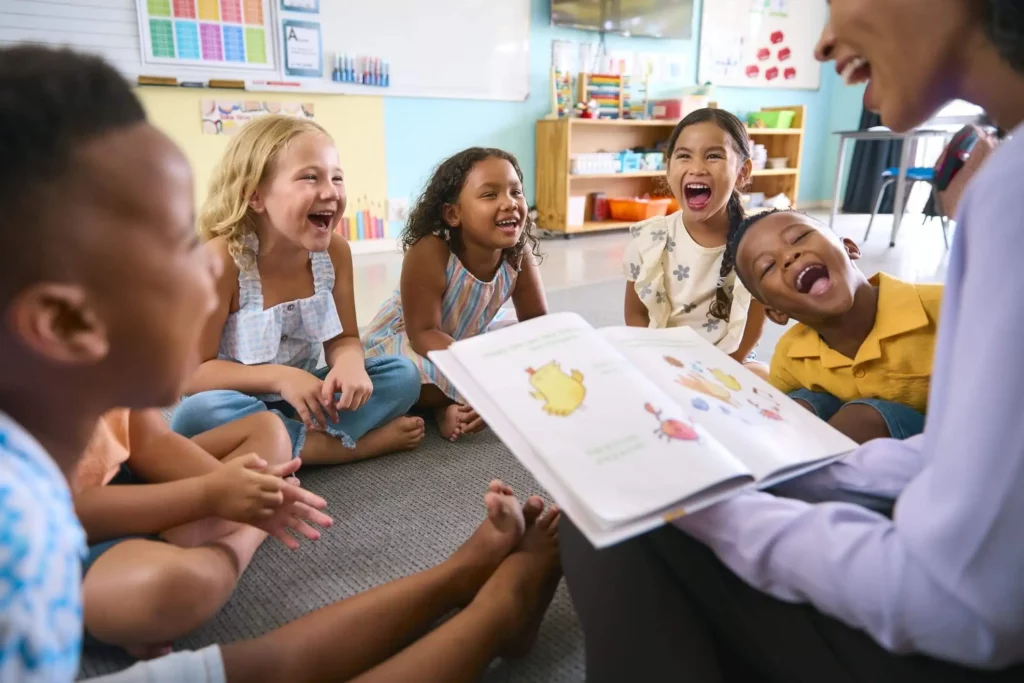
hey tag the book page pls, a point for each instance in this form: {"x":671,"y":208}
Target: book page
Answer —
{"x":607,"y":432}
{"x":758,"y":424}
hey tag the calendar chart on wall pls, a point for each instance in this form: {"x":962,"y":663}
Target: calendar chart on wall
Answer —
{"x":235,"y":33}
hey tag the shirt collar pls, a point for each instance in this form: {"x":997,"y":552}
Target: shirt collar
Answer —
{"x":899,"y":311}
{"x":15,"y":439}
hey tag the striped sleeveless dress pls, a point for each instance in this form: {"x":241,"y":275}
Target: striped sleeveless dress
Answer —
{"x":469,"y":307}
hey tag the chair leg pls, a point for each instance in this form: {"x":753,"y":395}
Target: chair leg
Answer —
{"x":942,"y":217}
{"x":878,"y":205}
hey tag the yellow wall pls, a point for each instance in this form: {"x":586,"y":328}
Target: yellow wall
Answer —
{"x":356,"y":123}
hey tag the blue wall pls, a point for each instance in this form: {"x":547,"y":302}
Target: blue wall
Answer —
{"x":419,"y":133}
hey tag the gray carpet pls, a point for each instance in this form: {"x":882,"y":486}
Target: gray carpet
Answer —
{"x":394,"y":516}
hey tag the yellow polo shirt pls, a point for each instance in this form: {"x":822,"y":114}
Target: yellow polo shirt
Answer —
{"x":893,"y":364}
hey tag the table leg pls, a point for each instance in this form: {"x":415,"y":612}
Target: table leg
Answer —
{"x":901,"y":190}
{"x":839,"y":181}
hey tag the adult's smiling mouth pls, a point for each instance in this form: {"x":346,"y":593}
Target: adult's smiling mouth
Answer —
{"x":813,"y":279}
{"x":854,"y":70}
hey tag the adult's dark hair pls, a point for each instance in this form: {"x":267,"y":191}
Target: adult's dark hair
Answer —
{"x":1004,"y":23}
{"x":52,"y":101}
{"x":722,"y":304}
{"x":427,"y":216}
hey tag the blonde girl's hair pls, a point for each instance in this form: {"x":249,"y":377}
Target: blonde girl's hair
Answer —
{"x":247,"y":162}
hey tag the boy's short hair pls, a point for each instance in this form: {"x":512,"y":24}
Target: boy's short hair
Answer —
{"x":732,"y":247}
{"x":52,"y":101}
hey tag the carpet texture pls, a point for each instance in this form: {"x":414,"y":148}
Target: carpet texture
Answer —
{"x":394,"y":516}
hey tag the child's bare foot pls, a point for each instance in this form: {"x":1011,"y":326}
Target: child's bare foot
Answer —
{"x":143,"y":652}
{"x":401,"y":434}
{"x":524,"y":584}
{"x":469,"y":421}
{"x":448,"y":421}
{"x":494,"y":539}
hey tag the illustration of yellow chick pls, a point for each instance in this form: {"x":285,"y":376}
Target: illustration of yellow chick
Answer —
{"x":728,"y":380}
{"x":562,"y":393}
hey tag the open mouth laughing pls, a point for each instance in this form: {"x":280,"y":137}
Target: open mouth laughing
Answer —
{"x":813,"y":279}
{"x":697,"y":196}
{"x":321,"y":220}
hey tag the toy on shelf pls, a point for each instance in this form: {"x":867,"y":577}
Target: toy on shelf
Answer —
{"x":561,"y":94}
{"x":609,"y":91}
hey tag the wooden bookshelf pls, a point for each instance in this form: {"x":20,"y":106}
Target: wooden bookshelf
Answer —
{"x":780,"y":142}
{"x":559,"y":139}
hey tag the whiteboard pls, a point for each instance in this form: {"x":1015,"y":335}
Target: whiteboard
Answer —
{"x":110,"y":29}
{"x":475,"y":49}
{"x":761,"y":43}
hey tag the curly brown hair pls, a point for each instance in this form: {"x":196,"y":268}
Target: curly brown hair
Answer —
{"x":722,"y":304}
{"x":427,"y":216}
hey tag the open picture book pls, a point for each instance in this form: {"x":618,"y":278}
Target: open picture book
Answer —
{"x":628,"y":428}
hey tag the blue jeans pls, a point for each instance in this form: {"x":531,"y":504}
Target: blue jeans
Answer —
{"x":396,"y":387}
{"x":902,"y":421}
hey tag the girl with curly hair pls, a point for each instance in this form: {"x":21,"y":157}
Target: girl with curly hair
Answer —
{"x":469,"y":248}
{"x":286,"y":299}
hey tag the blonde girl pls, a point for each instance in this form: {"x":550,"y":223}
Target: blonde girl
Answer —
{"x":286,"y":300}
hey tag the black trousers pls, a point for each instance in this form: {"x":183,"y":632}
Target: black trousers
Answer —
{"x":662,"y":607}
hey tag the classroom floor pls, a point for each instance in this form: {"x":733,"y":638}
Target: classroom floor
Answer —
{"x":400,"y":514}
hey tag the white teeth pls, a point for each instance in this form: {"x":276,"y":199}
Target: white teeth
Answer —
{"x":851,"y":68}
{"x":697,"y":186}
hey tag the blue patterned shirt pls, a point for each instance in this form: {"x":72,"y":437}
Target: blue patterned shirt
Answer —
{"x":41,"y":548}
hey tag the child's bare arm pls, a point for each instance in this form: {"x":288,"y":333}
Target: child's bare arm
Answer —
{"x":751,"y":332}
{"x":528,"y":295}
{"x":422,"y":287}
{"x":222,"y":374}
{"x":236,"y":491}
{"x":160,"y":455}
{"x":637,"y":314}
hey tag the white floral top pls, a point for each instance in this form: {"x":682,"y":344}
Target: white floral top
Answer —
{"x":676,"y":278}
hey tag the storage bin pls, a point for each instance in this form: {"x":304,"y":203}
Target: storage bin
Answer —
{"x":635,"y":210}
{"x":771,"y":119}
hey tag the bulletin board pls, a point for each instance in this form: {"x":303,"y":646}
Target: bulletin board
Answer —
{"x":761,"y":43}
{"x":233,"y":33}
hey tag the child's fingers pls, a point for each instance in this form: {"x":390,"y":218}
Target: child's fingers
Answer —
{"x":345,"y":402}
{"x":303,"y":529}
{"x":285,"y":469}
{"x":271,"y":500}
{"x":303,"y":412}
{"x":316,"y":412}
{"x":294,"y":494}
{"x":329,"y":409}
{"x":250,"y":461}
{"x":286,"y":539}
{"x":312,"y":515}
{"x":474,"y":425}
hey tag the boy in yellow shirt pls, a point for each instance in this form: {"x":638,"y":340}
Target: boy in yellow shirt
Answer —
{"x":860,"y":356}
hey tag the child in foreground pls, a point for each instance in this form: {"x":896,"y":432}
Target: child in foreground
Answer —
{"x":860,"y":356}
{"x":103,"y":309}
{"x":173,"y":523}
{"x":286,"y":298}
{"x":469,"y":248}
{"x":677,"y":269}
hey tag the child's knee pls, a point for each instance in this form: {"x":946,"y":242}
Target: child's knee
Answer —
{"x":861,"y":422}
{"x":398,"y":378}
{"x":270,"y":433}
{"x":202,"y":412}
{"x":184,"y":589}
